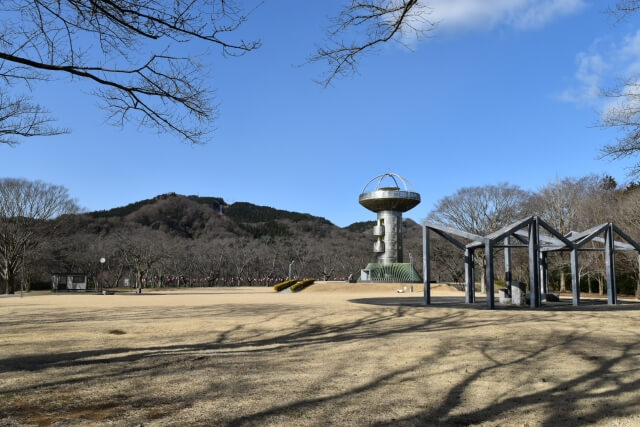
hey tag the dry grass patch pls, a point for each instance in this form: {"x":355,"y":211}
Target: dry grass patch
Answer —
{"x":246,"y":356}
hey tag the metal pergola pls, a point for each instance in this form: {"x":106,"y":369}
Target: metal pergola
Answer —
{"x":526,"y":234}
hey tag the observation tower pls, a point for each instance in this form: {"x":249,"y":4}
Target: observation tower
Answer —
{"x":390,"y":197}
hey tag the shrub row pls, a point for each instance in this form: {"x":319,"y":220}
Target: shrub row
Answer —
{"x":283,"y":285}
{"x":301,"y":285}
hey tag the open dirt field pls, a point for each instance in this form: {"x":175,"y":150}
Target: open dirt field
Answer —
{"x":333,"y":354}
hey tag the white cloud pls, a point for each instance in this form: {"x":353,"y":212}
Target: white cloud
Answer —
{"x":455,"y":15}
{"x":630,"y":53}
{"x":598,"y":68}
{"x":591,"y":70}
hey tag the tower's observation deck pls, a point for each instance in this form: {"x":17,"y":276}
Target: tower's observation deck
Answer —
{"x":389,"y":199}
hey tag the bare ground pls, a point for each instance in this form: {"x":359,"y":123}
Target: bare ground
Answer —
{"x":333,"y":354}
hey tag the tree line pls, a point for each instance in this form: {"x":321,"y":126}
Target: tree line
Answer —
{"x":176,"y":240}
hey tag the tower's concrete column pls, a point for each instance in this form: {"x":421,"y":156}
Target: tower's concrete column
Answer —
{"x":392,"y":222}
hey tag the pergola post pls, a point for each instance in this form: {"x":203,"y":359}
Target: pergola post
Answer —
{"x":534,"y":271}
{"x":575,"y":277}
{"x":469,"y":275}
{"x":544,"y":272}
{"x":426,"y":265}
{"x":507,"y":264}
{"x":488,"y":254}
{"x":638,"y":285}
{"x":610,"y":264}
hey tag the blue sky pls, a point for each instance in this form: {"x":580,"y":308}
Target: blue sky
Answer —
{"x":503,"y":90}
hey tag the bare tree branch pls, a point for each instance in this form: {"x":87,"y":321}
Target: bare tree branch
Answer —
{"x":369,"y":23}
{"x":624,"y":8}
{"x":115,"y":45}
{"x":623,"y":113}
{"x":20,"y":118}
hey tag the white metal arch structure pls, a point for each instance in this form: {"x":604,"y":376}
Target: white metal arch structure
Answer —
{"x":407,"y":186}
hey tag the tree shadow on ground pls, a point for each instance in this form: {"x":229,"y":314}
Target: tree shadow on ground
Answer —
{"x":480,"y":304}
{"x":307,"y":331}
{"x":607,"y":378}
{"x":561,"y":403}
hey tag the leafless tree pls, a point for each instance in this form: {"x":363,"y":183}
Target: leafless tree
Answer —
{"x":448,"y":263}
{"x":561,"y":203}
{"x":141,"y":250}
{"x":210,"y":259}
{"x":241,"y":253}
{"x":628,"y":215}
{"x":623,"y":112}
{"x":82,"y":253}
{"x":25,"y":208}
{"x":327,"y":259}
{"x":598,"y":206}
{"x":482,"y":210}
{"x":134,"y":52}
{"x":364,"y":25}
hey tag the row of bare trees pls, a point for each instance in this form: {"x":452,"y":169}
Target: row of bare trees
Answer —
{"x":151,"y":258}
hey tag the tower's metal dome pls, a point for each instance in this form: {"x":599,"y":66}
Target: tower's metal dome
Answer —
{"x":390,"y":197}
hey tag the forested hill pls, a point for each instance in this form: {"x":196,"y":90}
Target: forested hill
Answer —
{"x":195,"y":216}
{"x":247,"y":212}
{"x":122,"y":211}
{"x":239,"y":211}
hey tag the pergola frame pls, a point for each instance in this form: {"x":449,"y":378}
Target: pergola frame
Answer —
{"x":527,"y":233}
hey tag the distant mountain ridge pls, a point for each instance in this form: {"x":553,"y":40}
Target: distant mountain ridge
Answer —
{"x":122,"y":211}
{"x":239,"y":211}
{"x":194,"y":217}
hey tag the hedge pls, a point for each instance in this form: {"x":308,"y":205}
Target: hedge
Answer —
{"x":301,"y":285}
{"x":283,"y":285}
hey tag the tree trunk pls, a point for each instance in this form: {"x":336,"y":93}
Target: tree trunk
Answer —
{"x":600,"y":285}
{"x":11,"y":283}
{"x":138,"y":282}
{"x":9,"y":277}
{"x":4,"y":276}
{"x":563,"y":281}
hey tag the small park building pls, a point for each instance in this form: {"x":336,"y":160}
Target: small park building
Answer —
{"x":68,"y":282}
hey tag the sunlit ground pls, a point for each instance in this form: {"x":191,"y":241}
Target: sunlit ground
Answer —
{"x":247,"y":356}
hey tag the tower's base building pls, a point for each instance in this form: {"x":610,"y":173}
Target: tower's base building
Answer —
{"x":397,"y":272}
